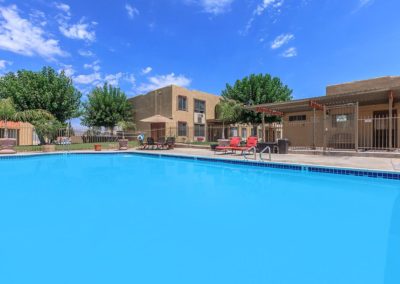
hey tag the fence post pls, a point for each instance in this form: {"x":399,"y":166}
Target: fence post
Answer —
{"x":325,"y":128}
{"x":356,"y":128}
{"x":390,"y":120}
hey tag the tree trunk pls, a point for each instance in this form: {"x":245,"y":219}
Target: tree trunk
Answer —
{"x":223,"y":130}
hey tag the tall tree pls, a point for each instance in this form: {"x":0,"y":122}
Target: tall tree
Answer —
{"x":254,"y":90}
{"x":46,"y":90}
{"x":228,"y":111}
{"x":106,"y":106}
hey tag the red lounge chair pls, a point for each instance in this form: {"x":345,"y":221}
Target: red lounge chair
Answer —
{"x":234,"y":143}
{"x":251,"y":142}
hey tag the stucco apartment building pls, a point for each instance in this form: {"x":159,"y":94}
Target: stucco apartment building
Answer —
{"x":185,"y":113}
{"x":360,"y":115}
{"x":188,"y":115}
{"x":21,"y":131}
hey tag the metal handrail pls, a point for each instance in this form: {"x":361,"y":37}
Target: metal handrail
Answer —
{"x":254,"y":148}
{"x":263,"y":151}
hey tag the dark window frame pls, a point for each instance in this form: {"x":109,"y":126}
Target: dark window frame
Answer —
{"x":299,"y":117}
{"x":185,"y":105}
{"x":182,"y":126}
{"x":202,"y":129}
{"x":195,"y":106}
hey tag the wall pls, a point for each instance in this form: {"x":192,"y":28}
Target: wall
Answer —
{"x":152,"y":103}
{"x":364,"y":85}
{"x":188,"y":115}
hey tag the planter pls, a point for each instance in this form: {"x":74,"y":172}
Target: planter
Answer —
{"x":97,"y":147}
{"x":123,"y":144}
{"x":48,"y":148}
{"x":7,"y":145}
{"x":223,"y":142}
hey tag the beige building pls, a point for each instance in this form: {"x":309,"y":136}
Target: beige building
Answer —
{"x":186,"y":112}
{"x":361,"y":115}
{"x":23,"y":132}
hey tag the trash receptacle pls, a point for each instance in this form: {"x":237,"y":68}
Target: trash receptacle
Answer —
{"x":283,"y":145}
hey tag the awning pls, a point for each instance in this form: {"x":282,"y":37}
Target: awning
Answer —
{"x":156,"y":119}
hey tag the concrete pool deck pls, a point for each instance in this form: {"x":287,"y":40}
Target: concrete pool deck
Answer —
{"x":372,"y":163}
{"x":369,"y":163}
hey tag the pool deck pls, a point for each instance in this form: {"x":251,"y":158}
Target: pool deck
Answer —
{"x":372,"y":163}
{"x":354,"y":162}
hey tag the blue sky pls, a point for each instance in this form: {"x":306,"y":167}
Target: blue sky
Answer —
{"x":202,"y":44}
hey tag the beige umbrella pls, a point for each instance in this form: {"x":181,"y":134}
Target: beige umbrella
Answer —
{"x":156,"y":119}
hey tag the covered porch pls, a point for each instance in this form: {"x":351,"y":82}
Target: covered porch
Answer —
{"x":358,"y":121}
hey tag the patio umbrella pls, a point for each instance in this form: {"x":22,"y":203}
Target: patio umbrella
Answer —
{"x":156,"y":119}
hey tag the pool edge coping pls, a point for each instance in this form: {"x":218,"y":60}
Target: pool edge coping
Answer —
{"x":372,"y":173}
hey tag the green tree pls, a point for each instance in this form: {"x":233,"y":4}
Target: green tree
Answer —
{"x":228,"y":111}
{"x":107,"y":106}
{"x":45,"y":90}
{"x":8,"y":112}
{"x":254,"y":90}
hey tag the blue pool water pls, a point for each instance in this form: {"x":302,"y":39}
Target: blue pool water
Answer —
{"x":139,"y":219}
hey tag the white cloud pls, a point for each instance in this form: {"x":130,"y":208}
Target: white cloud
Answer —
{"x":68,"y":70}
{"x":131,"y":79}
{"x":80,"y":30}
{"x":281,"y":40}
{"x":87,"y":79}
{"x":64,"y":8}
{"x":159,"y":81}
{"x":259,"y":10}
{"x":113,"y":79}
{"x":4,"y":63}
{"x":266,"y":4}
{"x":94,"y":66}
{"x":290,"y":52}
{"x":214,"y":7}
{"x":132,"y":11}
{"x":20,"y":36}
{"x":147,"y":70}
{"x":85,"y":53}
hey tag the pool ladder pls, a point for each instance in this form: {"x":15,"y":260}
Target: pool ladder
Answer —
{"x":269,"y":152}
{"x":262,"y":152}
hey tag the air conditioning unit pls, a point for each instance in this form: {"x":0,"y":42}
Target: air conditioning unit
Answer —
{"x":199,"y":118}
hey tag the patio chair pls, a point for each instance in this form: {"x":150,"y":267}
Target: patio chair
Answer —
{"x":234,"y":143}
{"x":150,"y":143}
{"x":250,"y":144}
{"x":160,"y":143}
{"x":170,"y":143}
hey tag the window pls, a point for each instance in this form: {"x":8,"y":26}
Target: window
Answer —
{"x":244,"y":133}
{"x":182,"y":103}
{"x":297,"y":117}
{"x":182,"y":128}
{"x":199,"y":106}
{"x":341,"y":119}
{"x":233,"y":132}
{"x":254,"y":131}
{"x":199,"y":130}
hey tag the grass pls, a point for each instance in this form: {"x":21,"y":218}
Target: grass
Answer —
{"x":76,"y":147}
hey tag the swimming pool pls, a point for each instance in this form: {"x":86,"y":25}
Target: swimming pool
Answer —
{"x":128,"y":218}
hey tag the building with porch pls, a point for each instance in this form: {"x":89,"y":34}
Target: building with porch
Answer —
{"x":361,"y":115}
{"x":190,"y":116}
{"x":174,"y":111}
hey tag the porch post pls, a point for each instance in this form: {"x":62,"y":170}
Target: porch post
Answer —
{"x":314,"y":144}
{"x":356,"y":128}
{"x":325,"y":127}
{"x":390,"y":120}
{"x":263,"y":127}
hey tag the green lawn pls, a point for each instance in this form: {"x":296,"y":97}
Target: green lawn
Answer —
{"x":76,"y":147}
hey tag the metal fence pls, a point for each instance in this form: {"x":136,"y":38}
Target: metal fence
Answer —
{"x":28,"y":139}
{"x":344,"y":132}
